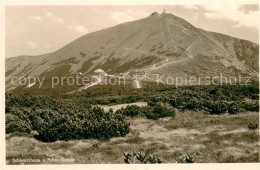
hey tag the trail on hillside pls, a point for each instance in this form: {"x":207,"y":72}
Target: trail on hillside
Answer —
{"x":137,"y":84}
{"x":153,"y":67}
{"x":99,"y":79}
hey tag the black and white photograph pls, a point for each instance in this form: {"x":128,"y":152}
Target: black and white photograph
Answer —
{"x":131,"y":84}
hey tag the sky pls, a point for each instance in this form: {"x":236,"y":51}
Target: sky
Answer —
{"x":35,"y":30}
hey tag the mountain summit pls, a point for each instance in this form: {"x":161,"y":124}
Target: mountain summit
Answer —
{"x":161,"y":43}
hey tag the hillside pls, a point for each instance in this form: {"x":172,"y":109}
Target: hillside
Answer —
{"x":159,"y":44}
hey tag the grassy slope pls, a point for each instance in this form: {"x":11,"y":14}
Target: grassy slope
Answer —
{"x":214,"y":138}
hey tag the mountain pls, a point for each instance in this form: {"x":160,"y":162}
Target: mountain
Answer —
{"x":158,"y":44}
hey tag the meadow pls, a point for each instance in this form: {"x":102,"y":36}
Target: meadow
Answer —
{"x":185,"y":125}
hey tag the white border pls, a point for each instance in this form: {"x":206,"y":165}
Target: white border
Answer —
{"x":208,"y":166}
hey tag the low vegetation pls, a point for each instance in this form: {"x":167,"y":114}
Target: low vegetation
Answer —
{"x":140,"y":157}
{"x":55,"y":120}
{"x":187,"y":158}
{"x":252,"y":126}
{"x":214,"y":139}
{"x":213,"y":99}
{"x":65,"y":118}
{"x":152,"y":111}
{"x":75,"y":118}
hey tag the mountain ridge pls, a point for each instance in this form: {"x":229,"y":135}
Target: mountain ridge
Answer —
{"x":141,"y":44}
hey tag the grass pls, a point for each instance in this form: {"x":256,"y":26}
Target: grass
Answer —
{"x":195,"y":126}
{"x":222,"y":138}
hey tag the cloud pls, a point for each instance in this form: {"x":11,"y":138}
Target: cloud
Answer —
{"x":32,"y":44}
{"x":233,"y":13}
{"x":192,"y":7}
{"x":121,"y":17}
{"x":48,"y":14}
{"x":54,"y":18}
{"x":35,"y":17}
{"x":77,"y":28}
{"x":128,"y":15}
{"x":248,"y":7}
{"x":58,"y":20}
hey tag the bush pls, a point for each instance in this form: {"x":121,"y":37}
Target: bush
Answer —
{"x":65,"y":121}
{"x":130,"y":110}
{"x":187,"y":158}
{"x":233,"y":108}
{"x":140,"y":157}
{"x":132,"y":99}
{"x":213,"y":99}
{"x":252,"y":126}
{"x":95,"y":124}
{"x":15,"y":124}
{"x":216,"y":107}
{"x":156,"y":111}
{"x":159,"y":110}
{"x":253,"y":106}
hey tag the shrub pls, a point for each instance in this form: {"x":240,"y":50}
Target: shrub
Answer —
{"x":233,"y":108}
{"x":151,"y":103}
{"x":132,"y":99}
{"x":154,"y":160}
{"x":252,"y":126}
{"x":140,"y":157}
{"x":159,"y":110}
{"x":213,"y":99}
{"x":216,"y":107}
{"x":74,"y":118}
{"x":187,"y":158}
{"x":253,"y":106}
{"x":65,"y":121}
{"x":147,"y":110}
{"x":156,"y":111}
{"x":15,"y":124}
{"x":95,"y":124}
{"x":130,"y":110}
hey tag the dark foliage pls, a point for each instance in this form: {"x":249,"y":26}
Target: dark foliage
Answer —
{"x":252,"y":126}
{"x":62,"y":120}
{"x":155,"y":111}
{"x":72,"y":117}
{"x":130,"y":110}
{"x":140,"y":157}
{"x":212,"y":99}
